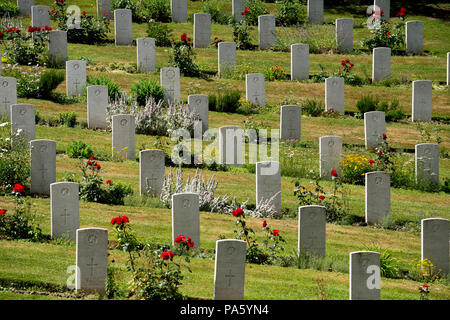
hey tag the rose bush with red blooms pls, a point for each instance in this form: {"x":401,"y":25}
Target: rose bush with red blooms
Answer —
{"x":18,"y":188}
{"x":3,"y":211}
{"x":276,"y":232}
{"x":238,"y":212}
{"x":264,"y":224}
{"x":334,"y":173}
{"x":321,"y":197}
{"x":120,"y":220}
{"x":247,"y":10}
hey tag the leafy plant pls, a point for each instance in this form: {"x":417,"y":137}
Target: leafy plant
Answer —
{"x":113,"y":88}
{"x":79,"y":150}
{"x":181,"y":56}
{"x":8,"y":9}
{"x":275,"y":73}
{"x":256,"y":8}
{"x":386,"y":36}
{"x":67,"y":119}
{"x":158,"y":10}
{"x":312,"y":107}
{"x":242,"y":32}
{"x":144,"y":89}
{"x":217,"y":14}
{"x":160,"y":32}
{"x":291,"y":12}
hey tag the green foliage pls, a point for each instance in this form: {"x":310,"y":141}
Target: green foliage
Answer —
{"x":117,"y":192}
{"x":241,"y":34}
{"x":8,"y":8}
{"x":143,"y":89}
{"x":256,"y":8}
{"x":181,"y":56}
{"x":67,"y":119}
{"x":312,"y":107}
{"x":113,"y":88}
{"x":14,"y":162}
{"x":369,"y":103}
{"x":160,"y":32}
{"x":334,"y":201}
{"x":386,"y":36}
{"x":217,"y":13}
{"x":79,"y":150}
{"x":227,"y":100}
{"x":275,"y":73}
{"x":93,"y":30}
{"x":158,"y":10}
{"x":291,"y":12}
{"x":320,"y":38}
{"x":49,"y":81}
{"x":137,"y":7}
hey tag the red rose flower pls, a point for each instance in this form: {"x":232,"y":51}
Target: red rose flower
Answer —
{"x":83,"y":13}
{"x":238,"y":212}
{"x":1,"y":33}
{"x":189,"y":242}
{"x":3,"y":211}
{"x":388,"y":33}
{"x":179,"y":239}
{"x":91,"y":158}
{"x":371,"y":161}
{"x":347,"y":61}
{"x":321,"y":197}
{"x":384,"y":136}
{"x":19,"y":188}
{"x":183,"y":37}
{"x":380,"y":153}
{"x":264,"y":223}
{"x":276,"y":232}
{"x":108,"y":181}
{"x":351,"y":65}
{"x":333,"y":173}
{"x":188,"y":39}
{"x":89,"y":162}
{"x":343,"y":62}
{"x":166,"y":255}
{"x":247,"y":10}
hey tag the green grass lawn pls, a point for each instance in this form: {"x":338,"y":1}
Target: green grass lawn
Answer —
{"x":42,"y":267}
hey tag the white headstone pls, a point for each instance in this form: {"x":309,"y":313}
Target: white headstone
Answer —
{"x":146,"y":55}
{"x":312,"y":230}
{"x":266,"y":31}
{"x":202,"y":30}
{"x":43,"y":166}
{"x":123,"y":137}
{"x":104,"y":6}
{"x":315,"y":11}
{"x":65,"y":212}
{"x":151,"y":172}
{"x":448,"y":68}
{"x":378,"y":196}
{"x":422,"y":100}
{"x":255,"y":89}
{"x":290,"y":122}
{"x":199,"y":103}
{"x":123,"y":27}
{"x":170,"y":81}
{"x":237,"y":7}
{"x":435,"y":243}
{"x":231,"y":150}
{"x":229,"y":270}
{"x":75,"y":77}
{"x":414,"y":37}
{"x":334,"y":94}
{"x":385,"y":6}
{"x":268,"y":183}
{"x":344,"y":34}
{"x":97,"y":104}
{"x":179,"y":10}
{"x":57,"y":47}
{"x":91,"y":259}
{"x":23,"y":122}
{"x":226,"y":57}
{"x":427,"y":163}
{"x":374,"y":128}
{"x":299,"y":61}
{"x":25,"y":7}
{"x":8,"y":95}
{"x":330,"y":149}
{"x":40,"y":16}
{"x":381,"y":64}
{"x":365,"y":275}
{"x":186,"y":216}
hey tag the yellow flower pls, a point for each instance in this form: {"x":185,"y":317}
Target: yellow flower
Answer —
{"x":4,"y":59}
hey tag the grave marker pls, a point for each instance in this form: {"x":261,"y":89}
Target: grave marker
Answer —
{"x":290,"y":122}
{"x":123,"y":137}
{"x":57,"y":47}
{"x":199,"y":103}
{"x":344,"y":34}
{"x":435,"y":243}
{"x":8,"y":95}
{"x":65,"y":213}
{"x":97,"y":104}
{"x":374,"y":128}
{"x":170,"y":81}
{"x":255,"y":89}
{"x":334,"y":94}
{"x":151,"y":172}
{"x":91,"y":259}
{"x":381,"y":64}
{"x":202,"y":30}
{"x":365,"y":278}
{"x":186,"y":217}
{"x":422,"y":92}
{"x":23,"y":120}
{"x":104,"y":6}
{"x":231,"y":150}
{"x":427,"y":163}
{"x":311,"y":230}
{"x":299,"y":61}
{"x":229,"y":269}
{"x":268,"y":183}
{"x":25,"y":7}
{"x":330,"y":150}
{"x":43,"y":166}
{"x":414,"y":37}
{"x":40,"y":16}
{"x":385,"y":6}
{"x":75,"y":77}
{"x":378,"y":196}
{"x":266,"y":31}
{"x":146,"y":59}
{"x":226,"y":57}
{"x":315,"y":11}
{"x":123,"y":27}
{"x":179,"y":10}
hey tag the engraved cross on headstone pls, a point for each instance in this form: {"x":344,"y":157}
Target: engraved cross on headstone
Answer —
{"x":92,"y":265}
{"x":65,"y":215}
{"x":229,"y":276}
{"x":43,"y":172}
{"x":6,"y":103}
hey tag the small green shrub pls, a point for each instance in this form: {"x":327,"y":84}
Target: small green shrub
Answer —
{"x":49,"y":81}
{"x":386,"y":36}
{"x":227,"y":101}
{"x":8,"y":8}
{"x":143,"y":89}
{"x":256,"y":8}
{"x":117,"y":192}
{"x":214,"y":9}
{"x":113,"y":88}
{"x":67,"y":119}
{"x":367,"y":104}
{"x":291,"y":12}
{"x":137,"y":8}
{"x":313,"y":107}
{"x":79,"y":150}
{"x":161,"y":33}
{"x":158,"y":10}
{"x":181,"y":56}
